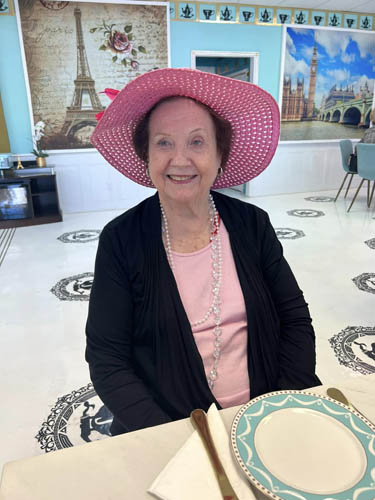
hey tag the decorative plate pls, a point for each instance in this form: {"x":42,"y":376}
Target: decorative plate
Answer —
{"x":294,"y":445}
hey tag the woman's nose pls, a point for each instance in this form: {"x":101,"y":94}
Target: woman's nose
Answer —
{"x":180,"y":156}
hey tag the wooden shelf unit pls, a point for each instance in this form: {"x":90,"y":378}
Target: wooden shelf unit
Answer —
{"x":43,"y":201}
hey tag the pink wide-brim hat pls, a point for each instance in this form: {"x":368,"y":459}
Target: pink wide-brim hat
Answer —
{"x":252,"y":112}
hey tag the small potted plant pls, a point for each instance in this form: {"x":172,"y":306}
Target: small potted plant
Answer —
{"x":37,"y":149}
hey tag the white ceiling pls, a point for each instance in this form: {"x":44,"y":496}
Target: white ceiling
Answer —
{"x":366,"y":6}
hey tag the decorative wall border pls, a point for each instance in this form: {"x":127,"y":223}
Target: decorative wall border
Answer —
{"x":209,"y":12}
{"x":258,"y":15}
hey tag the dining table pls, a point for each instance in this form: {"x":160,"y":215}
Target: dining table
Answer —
{"x":125,"y":466}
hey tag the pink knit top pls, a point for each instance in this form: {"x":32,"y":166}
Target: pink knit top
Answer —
{"x":193,"y":276}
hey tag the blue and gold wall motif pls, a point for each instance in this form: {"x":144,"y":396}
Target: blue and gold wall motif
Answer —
{"x":6,"y":8}
{"x":271,"y":15}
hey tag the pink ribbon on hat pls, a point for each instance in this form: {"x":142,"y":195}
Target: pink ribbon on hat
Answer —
{"x":99,"y":115}
{"x":111,"y":93}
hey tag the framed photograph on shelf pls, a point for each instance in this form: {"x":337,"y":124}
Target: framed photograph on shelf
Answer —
{"x":327,"y":83}
{"x":74,"y":50}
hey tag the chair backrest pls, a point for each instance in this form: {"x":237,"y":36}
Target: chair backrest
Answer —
{"x":346,"y":148}
{"x":366,"y":161}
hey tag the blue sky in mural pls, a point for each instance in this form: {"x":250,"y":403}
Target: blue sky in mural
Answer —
{"x":344,"y":58}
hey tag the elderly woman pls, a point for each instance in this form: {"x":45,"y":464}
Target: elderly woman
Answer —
{"x":192,"y":301}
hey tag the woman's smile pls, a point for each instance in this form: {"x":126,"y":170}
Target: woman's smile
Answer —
{"x":181,"y":179}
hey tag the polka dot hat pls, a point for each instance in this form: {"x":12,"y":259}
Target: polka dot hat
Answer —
{"x":252,"y":112}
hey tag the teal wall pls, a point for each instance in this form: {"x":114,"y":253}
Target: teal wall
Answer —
{"x":266,"y":40}
{"x":185,"y":37}
{"x":12,"y":87}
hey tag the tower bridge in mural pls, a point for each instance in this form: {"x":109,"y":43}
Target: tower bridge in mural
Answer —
{"x":355,"y":111}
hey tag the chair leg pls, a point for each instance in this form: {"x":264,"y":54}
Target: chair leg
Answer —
{"x":343,"y":182}
{"x":372,"y":194}
{"x":347,"y":189}
{"x":368,"y":191}
{"x":355,"y":196}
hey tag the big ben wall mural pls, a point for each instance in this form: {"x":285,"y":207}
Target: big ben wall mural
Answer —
{"x":327,"y":84}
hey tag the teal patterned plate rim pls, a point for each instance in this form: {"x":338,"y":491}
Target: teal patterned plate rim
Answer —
{"x":263,"y":409}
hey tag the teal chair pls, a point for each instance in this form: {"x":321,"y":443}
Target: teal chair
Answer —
{"x":346,"y":149}
{"x":366,"y":169}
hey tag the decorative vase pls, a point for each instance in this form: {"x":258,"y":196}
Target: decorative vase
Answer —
{"x":41,"y":161}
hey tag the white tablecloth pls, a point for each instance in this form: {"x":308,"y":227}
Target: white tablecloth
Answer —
{"x":124,"y":467}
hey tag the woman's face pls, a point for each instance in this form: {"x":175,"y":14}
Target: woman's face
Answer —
{"x":182,"y":152}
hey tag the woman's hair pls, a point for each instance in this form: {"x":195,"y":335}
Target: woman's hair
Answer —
{"x":223,"y":130}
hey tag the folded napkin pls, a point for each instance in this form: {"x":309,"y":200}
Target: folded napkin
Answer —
{"x":190,"y":474}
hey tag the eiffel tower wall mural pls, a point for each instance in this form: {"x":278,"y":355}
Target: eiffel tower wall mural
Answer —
{"x":74,"y":50}
{"x":327,"y":86}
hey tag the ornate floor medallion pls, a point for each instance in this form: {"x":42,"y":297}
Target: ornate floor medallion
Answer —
{"x":74,"y":288}
{"x":365,"y":282}
{"x":322,"y":199}
{"x":354,"y":347}
{"x":305,"y":212}
{"x":82,"y":236}
{"x":77,"y":418}
{"x":371,"y":243}
{"x":286,"y":233}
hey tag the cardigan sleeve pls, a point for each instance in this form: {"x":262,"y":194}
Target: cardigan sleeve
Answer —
{"x":109,"y":332}
{"x":297,"y":337}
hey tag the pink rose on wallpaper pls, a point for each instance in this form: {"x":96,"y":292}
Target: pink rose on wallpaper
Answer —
{"x":119,"y":42}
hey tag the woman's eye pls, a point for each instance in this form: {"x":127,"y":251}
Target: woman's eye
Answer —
{"x":197,"y":142}
{"x":163,"y":143}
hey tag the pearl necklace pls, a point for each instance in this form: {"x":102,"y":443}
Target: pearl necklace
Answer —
{"x":217,"y":262}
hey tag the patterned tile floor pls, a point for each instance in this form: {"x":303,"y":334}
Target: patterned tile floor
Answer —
{"x":45,"y":280}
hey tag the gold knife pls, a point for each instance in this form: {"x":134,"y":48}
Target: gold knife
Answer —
{"x":199,"y":420}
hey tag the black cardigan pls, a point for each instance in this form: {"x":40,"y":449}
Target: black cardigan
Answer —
{"x":143,"y":360}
